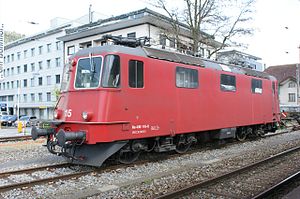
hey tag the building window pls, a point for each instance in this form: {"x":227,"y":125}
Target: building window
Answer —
{"x":172,"y":42}
{"x":32,"y":82}
{"x":25,"y":83}
{"x":25,"y":54}
{"x":58,"y":46}
{"x":18,"y":55}
{"x":12,"y":71}
{"x":207,"y":52}
{"x":25,"y":68}
{"x":201,"y":52}
{"x":32,"y":97}
{"x":292,"y":97}
{"x":57,"y":61}
{"x":292,"y":85}
{"x":24,"y":97}
{"x":40,"y":80}
{"x":12,"y":57}
{"x":228,"y":82}
{"x":40,"y":65}
{"x":49,"y":63}
{"x":48,"y":48}
{"x":7,"y":85}
{"x":162,"y":40}
{"x":32,"y":67}
{"x":48,"y":80}
{"x":32,"y":52}
{"x":57,"y":79}
{"x":40,"y":97}
{"x":71,"y":50}
{"x":18,"y":69}
{"x":48,"y":97}
{"x":186,"y":78}
{"x":12,"y":84}
{"x":11,"y":98}
{"x":256,"y":86}
{"x":136,"y":74}
{"x":40,"y":50}
{"x":131,"y":35}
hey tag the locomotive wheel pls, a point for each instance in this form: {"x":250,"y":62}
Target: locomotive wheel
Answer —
{"x":182,"y":148}
{"x":184,"y":143}
{"x":128,"y":157}
{"x":241,"y":134}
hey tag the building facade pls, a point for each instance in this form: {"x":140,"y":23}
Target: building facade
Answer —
{"x":287,"y":77}
{"x":32,"y":74}
{"x":241,"y":59}
{"x":137,"y":24}
{"x":33,"y":66}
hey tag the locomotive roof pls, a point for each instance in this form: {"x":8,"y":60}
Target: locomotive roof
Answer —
{"x":174,"y":57}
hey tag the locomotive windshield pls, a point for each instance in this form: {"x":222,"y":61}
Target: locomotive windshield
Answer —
{"x":88,"y":72}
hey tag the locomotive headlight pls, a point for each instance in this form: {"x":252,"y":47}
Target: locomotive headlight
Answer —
{"x":57,"y":114}
{"x":86,"y":115}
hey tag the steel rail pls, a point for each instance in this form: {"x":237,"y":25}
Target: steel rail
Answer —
{"x":15,"y":138}
{"x":33,"y":169}
{"x":275,"y":188}
{"x":189,"y":189}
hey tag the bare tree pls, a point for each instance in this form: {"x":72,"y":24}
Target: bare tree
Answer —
{"x":221,"y":19}
{"x":174,"y":15}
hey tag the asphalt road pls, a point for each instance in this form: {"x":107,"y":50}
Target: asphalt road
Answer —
{"x":12,"y":131}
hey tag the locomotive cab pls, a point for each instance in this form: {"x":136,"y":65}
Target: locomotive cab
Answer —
{"x":81,"y":113}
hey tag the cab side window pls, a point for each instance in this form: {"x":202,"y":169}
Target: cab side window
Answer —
{"x":256,"y":86}
{"x":228,"y":82}
{"x":136,"y":74}
{"x":186,"y":78}
{"x":111,"y":74}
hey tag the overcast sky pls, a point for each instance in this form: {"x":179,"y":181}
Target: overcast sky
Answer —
{"x":277,"y":22}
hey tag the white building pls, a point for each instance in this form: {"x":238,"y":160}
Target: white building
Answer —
{"x":32,"y":73}
{"x":141,"y":23}
{"x":288,"y":89}
{"x":241,"y":59}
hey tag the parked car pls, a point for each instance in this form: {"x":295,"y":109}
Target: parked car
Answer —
{"x":3,"y":113}
{"x":11,"y":120}
{"x":27,"y":120}
{"x":4,"y":119}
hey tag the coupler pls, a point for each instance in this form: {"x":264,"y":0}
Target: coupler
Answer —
{"x":36,"y":133}
{"x":63,"y":137}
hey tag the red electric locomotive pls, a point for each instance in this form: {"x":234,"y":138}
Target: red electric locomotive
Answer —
{"x":122,"y":100}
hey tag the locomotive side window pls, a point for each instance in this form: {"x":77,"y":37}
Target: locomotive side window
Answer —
{"x":186,"y":78}
{"x":111,"y":73}
{"x":228,"y":82}
{"x":88,"y":72}
{"x":136,"y":74}
{"x":256,"y":86}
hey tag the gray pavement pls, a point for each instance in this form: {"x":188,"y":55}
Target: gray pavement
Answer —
{"x":12,"y":131}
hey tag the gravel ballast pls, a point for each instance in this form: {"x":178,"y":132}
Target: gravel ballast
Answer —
{"x":150,"y":179}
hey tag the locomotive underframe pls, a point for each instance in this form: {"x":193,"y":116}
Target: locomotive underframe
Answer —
{"x":72,"y":146}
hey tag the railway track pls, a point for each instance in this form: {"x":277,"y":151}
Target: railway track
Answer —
{"x":9,"y":177}
{"x":10,"y":184}
{"x":222,"y":185}
{"x":15,"y":138}
{"x":279,"y":188}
